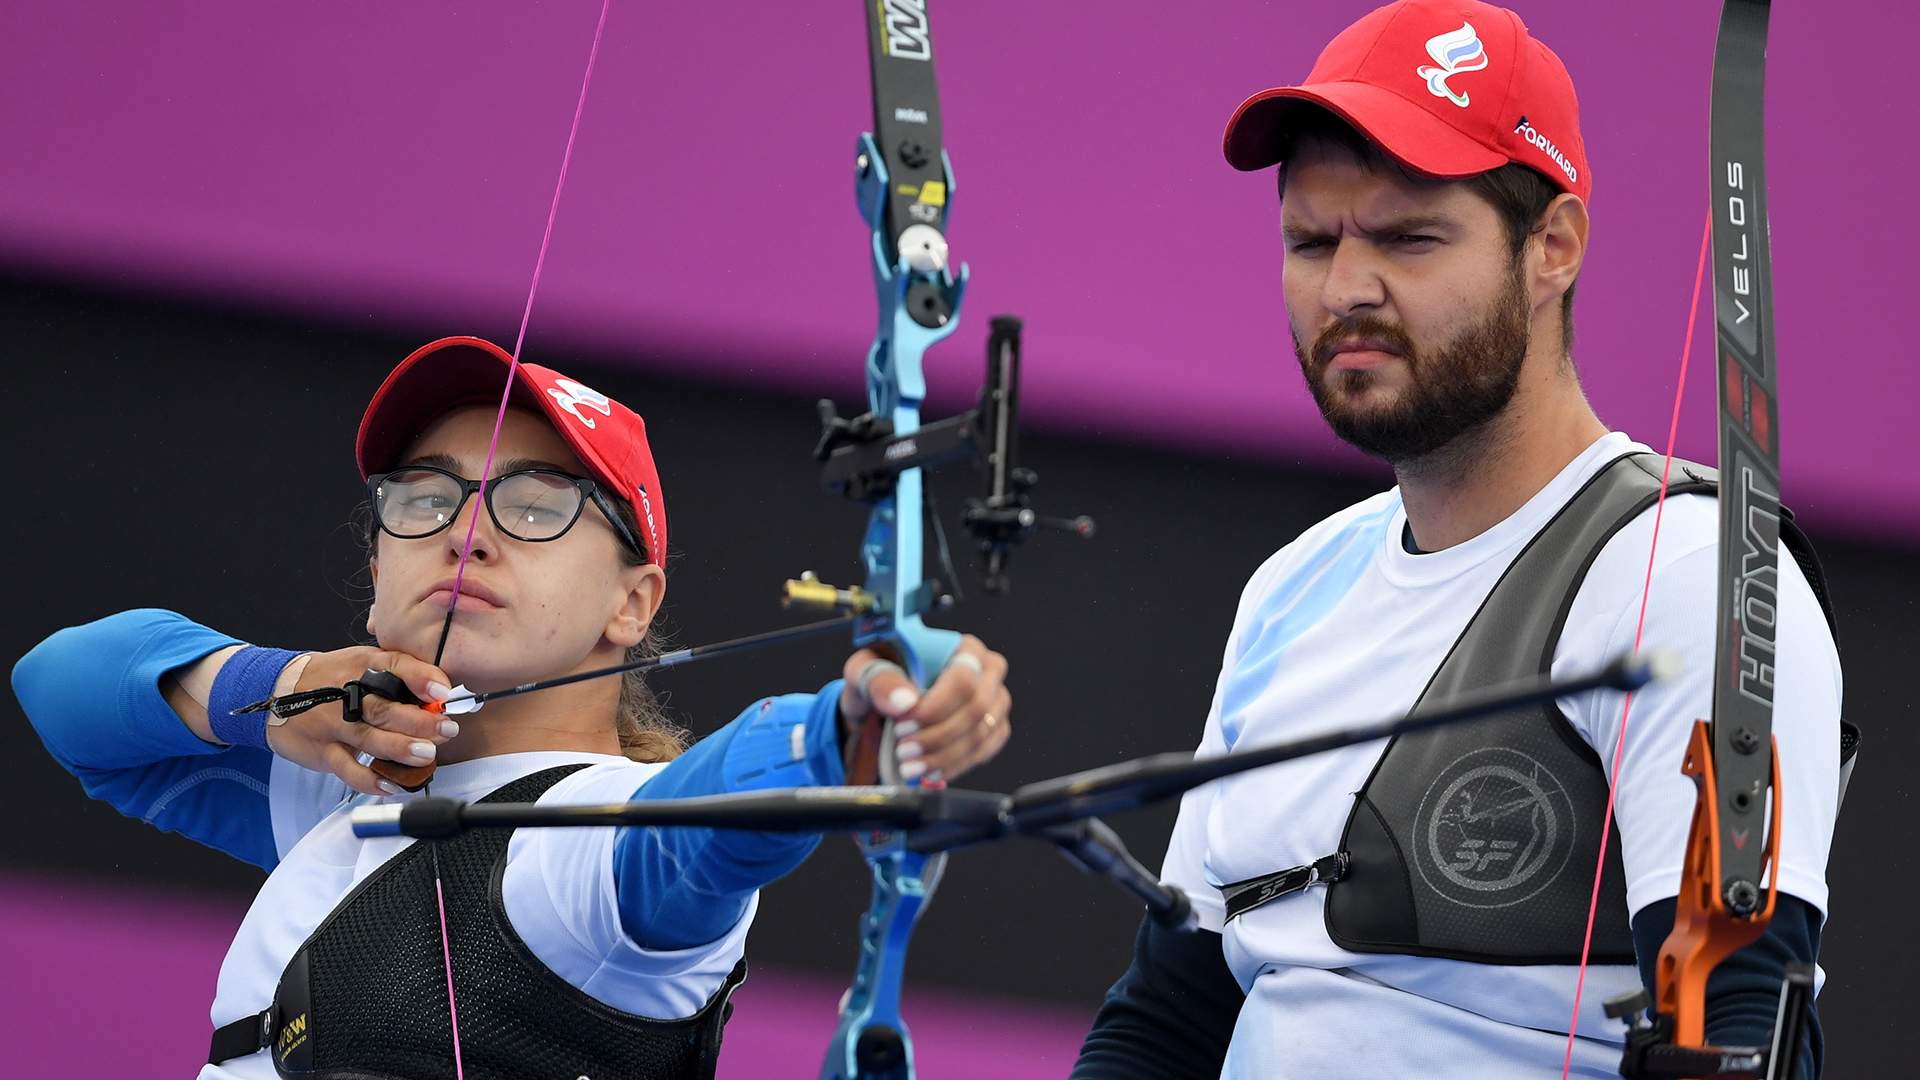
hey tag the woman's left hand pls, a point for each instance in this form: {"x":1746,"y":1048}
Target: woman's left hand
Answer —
{"x":960,"y":721}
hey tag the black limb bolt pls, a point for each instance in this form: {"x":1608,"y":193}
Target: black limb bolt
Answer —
{"x":1743,"y":897}
{"x":1746,"y":741}
{"x":927,"y":306}
{"x":880,"y":1052}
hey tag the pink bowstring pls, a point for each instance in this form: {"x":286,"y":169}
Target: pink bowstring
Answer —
{"x":446,"y":951}
{"x":526,"y":316}
{"x":1626,"y":708}
{"x":486,"y":471}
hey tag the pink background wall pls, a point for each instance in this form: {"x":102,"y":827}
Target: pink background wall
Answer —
{"x":394,"y":161}
{"x":114,"y":982}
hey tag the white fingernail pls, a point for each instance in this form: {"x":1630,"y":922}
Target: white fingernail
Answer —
{"x":903,"y":699}
{"x":389,"y":787}
{"x":439,"y":691}
{"x":422,"y":752}
{"x":912,"y":770}
{"x":449,"y":728}
{"x":905,"y":728}
{"x":907,"y":751}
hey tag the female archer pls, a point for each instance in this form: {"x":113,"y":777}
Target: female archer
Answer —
{"x":562,"y":952}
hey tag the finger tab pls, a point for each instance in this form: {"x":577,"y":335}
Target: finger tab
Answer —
{"x":410,"y":777}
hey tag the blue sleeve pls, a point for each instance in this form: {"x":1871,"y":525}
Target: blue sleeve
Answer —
{"x":92,"y":692}
{"x":682,"y":887}
{"x":1743,"y":993}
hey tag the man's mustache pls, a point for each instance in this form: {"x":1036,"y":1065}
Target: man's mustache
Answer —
{"x":1375,"y":333}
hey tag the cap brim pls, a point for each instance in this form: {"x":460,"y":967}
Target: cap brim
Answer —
{"x":437,"y":378}
{"x":1260,"y":133}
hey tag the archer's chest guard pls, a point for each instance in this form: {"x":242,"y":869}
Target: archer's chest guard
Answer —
{"x":1477,"y":841}
{"x":365,"y":997}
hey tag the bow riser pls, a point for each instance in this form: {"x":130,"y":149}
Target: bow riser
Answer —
{"x":894,"y":547}
{"x":871,"y":1041}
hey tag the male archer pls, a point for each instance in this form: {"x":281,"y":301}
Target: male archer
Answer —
{"x":1419,"y":908}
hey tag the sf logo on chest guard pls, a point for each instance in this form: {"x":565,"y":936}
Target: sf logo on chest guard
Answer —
{"x":1495,"y":828}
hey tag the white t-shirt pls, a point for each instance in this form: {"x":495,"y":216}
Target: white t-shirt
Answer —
{"x":558,"y":889}
{"x":1344,"y":625}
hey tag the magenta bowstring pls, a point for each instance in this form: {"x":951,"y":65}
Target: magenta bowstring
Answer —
{"x":1646,"y":590}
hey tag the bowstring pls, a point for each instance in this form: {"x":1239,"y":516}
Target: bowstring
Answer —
{"x":1626,"y":707}
{"x":486,"y":472}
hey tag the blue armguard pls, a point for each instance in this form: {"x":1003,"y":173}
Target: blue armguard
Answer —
{"x":247,"y":676}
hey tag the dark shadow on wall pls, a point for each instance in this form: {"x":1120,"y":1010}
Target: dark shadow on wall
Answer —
{"x":201,"y":459}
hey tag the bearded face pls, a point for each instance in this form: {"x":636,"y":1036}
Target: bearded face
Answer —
{"x":1424,"y":395}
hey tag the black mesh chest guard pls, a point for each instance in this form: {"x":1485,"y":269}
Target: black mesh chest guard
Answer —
{"x":1477,"y":841}
{"x":365,"y":998}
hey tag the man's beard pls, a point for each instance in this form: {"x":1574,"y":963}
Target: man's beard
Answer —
{"x":1451,"y":391}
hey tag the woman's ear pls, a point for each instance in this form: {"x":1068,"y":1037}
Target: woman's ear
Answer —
{"x":646,"y":587}
{"x":373,"y":568}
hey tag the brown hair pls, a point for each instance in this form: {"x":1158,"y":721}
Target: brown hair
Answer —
{"x":640,"y":721}
{"x":1518,"y":194}
{"x":646,"y":734}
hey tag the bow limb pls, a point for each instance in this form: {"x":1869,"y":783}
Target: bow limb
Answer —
{"x":1733,"y":759}
{"x":1727,"y":889}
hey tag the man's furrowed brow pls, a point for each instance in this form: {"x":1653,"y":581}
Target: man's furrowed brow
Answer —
{"x":1411,"y":223}
{"x":1294,"y":232}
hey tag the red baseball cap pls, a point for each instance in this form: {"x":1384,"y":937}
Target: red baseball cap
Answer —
{"x":1449,"y":88}
{"x":454,"y":371}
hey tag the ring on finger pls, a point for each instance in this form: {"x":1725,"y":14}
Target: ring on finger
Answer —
{"x":988,"y":721}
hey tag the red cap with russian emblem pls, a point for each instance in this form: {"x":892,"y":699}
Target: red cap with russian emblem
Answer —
{"x":1449,"y":88}
{"x":442,"y":375}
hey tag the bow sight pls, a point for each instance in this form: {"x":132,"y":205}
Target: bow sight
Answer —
{"x":862,"y":457}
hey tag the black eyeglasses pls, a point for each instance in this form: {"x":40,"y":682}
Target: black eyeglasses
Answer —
{"x":535,"y":505}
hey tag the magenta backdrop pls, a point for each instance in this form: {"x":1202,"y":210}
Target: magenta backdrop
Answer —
{"x":394,"y":161}
{"x":100,"y":981}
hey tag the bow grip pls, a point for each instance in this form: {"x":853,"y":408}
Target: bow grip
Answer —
{"x":392,"y":687}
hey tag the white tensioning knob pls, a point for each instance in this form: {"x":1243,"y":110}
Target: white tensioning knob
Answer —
{"x":924,"y":248}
